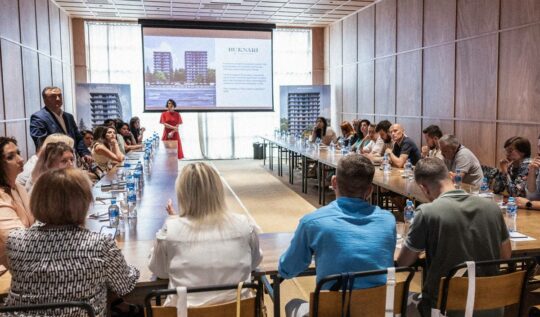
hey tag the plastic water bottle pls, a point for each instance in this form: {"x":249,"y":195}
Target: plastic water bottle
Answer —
{"x":457,"y":179}
{"x":511,"y":214}
{"x":332,"y":147}
{"x":386,"y":164}
{"x":408,"y":215}
{"x":114,"y":214}
{"x":147,"y":163}
{"x":484,"y":187}
{"x":408,"y":169}
{"x":132,"y":203}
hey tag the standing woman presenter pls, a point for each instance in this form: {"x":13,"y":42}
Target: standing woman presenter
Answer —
{"x":171,"y":120}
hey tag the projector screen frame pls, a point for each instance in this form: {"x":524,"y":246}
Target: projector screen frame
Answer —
{"x":209,"y":25}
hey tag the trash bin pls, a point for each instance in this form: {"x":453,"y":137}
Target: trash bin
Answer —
{"x":259,"y":150}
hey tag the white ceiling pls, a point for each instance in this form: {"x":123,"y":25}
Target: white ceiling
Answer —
{"x":307,"y":13}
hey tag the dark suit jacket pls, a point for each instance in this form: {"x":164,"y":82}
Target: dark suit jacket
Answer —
{"x":44,"y":123}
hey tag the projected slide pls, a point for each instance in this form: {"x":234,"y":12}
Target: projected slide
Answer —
{"x":208,"y":70}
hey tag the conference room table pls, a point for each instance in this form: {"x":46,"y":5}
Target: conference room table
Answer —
{"x":136,"y":237}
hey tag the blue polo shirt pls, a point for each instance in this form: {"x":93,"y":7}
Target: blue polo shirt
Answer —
{"x":348,"y":235}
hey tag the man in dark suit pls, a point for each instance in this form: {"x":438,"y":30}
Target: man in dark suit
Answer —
{"x":52,"y":119}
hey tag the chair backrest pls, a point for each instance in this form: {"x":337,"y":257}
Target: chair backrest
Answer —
{"x":87,"y":308}
{"x":249,"y":307}
{"x":363,"y":302}
{"x":503,"y":288}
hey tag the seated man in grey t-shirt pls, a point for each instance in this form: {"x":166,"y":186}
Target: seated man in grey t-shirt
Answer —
{"x":455,"y":227}
{"x":457,"y":156}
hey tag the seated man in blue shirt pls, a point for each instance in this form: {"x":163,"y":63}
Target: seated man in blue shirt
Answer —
{"x":348,"y":235}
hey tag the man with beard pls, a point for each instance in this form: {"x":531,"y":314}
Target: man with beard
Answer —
{"x":432,"y":134}
{"x":384,"y":141}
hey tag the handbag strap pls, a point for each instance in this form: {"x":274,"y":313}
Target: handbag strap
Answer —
{"x":239,"y":298}
{"x":471,"y":289}
{"x":390,"y":292}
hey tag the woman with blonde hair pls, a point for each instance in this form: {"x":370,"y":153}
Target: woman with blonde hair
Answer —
{"x":54,"y":155}
{"x":58,"y":260}
{"x":206,"y":244}
{"x":29,"y":166}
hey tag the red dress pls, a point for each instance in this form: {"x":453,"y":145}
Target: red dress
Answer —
{"x":174,"y":119}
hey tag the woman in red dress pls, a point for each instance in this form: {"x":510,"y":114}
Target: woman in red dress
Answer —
{"x":171,"y":120}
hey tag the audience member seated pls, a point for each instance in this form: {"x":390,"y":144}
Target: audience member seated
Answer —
{"x":455,"y":227}
{"x":105,"y":150}
{"x":130,"y":144}
{"x":54,"y":155}
{"x":457,"y":156}
{"x":432,"y":134}
{"x":533,"y":183}
{"x":361,"y":133}
{"x":384,"y":141}
{"x":348,"y":134}
{"x":368,"y":143}
{"x":29,"y":166}
{"x":58,"y":260}
{"x":514,"y":169}
{"x":207,"y":244}
{"x":88,"y":139}
{"x":136,"y":129}
{"x":14,"y":203}
{"x":348,"y":235}
{"x":404,"y":148}
{"x":322,"y":131}
{"x":112,"y":123}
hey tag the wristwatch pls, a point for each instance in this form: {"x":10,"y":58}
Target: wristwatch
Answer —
{"x":528,"y":205}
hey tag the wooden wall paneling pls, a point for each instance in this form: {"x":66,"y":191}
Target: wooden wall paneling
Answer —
{"x":42,"y":24}
{"x":45,"y":71}
{"x":65,"y":38}
{"x":409,"y":84}
{"x":514,"y":13}
{"x":479,"y":137}
{"x":366,"y":34}
{"x":519,"y":75}
{"x":79,"y":52}
{"x":336,"y":78}
{"x":366,"y":93}
{"x":477,"y":17}
{"x":409,"y":24}
{"x":508,"y":130}
{"x":27,"y":11}
{"x":447,"y":126}
{"x":317,"y":49}
{"x":54,"y":27}
{"x":439,"y":21}
{"x":67,"y":76}
{"x":336,"y":45}
{"x":32,"y":93}
{"x":385,"y":30}
{"x":438,"y":84}
{"x":350,"y":48}
{"x":57,"y":79}
{"x":9,"y":20}
{"x":385,"y":88}
{"x":350,"y":77}
{"x":13,"y":83}
{"x":476,"y":78}
{"x":413,"y":129}
{"x":2,"y":114}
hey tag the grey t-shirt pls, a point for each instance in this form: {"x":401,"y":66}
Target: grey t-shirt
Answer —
{"x":454,"y":228}
{"x":466,"y":161}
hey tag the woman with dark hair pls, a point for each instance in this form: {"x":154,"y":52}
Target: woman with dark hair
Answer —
{"x":171,"y":120}
{"x":122,"y":128}
{"x":14,"y":201}
{"x":105,"y":150}
{"x":322,"y":131}
{"x":513,"y":169}
{"x":136,"y":129}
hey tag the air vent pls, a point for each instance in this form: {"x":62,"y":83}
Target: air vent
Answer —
{"x":222,"y":1}
{"x":98,"y":1}
{"x":214,"y":6}
{"x":105,"y":14}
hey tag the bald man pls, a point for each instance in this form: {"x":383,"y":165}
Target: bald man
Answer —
{"x":404,"y":147}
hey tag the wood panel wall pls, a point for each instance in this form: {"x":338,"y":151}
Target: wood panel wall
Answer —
{"x":470,"y":66}
{"x":35,"y":52}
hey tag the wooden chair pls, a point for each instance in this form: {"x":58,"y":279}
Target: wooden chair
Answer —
{"x":361,"y":302}
{"x":249,"y":307}
{"x":83,"y":306}
{"x":507,"y":286}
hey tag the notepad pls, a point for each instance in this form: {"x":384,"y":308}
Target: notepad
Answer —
{"x":517,"y":236}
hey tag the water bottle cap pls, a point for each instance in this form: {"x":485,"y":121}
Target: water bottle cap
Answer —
{"x":113,"y":201}
{"x":511,"y":199}
{"x":409,"y":202}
